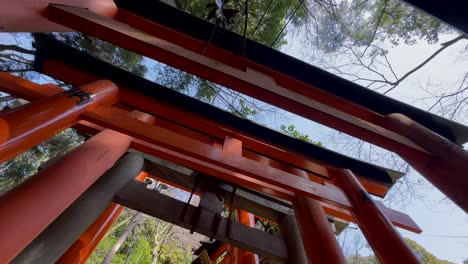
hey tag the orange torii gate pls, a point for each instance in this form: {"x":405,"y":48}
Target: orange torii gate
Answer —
{"x":234,"y":158}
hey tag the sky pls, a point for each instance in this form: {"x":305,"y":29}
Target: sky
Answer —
{"x":438,"y":217}
{"x":445,"y":226}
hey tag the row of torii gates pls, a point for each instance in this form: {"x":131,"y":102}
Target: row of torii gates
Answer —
{"x":142,"y":130}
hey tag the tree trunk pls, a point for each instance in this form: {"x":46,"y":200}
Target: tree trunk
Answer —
{"x":110,"y":255}
{"x":159,"y":244}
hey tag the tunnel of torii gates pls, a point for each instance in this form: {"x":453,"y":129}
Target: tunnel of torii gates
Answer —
{"x":140,"y":130}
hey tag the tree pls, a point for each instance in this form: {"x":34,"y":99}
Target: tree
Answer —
{"x":422,"y":254}
{"x":18,"y":59}
{"x":105,"y":51}
{"x":293,"y":132}
{"x":26,"y":164}
{"x":115,"y":248}
{"x":266,"y":23}
{"x":334,"y":25}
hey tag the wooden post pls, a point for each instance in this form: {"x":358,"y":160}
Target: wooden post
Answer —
{"x":247,"y":219}
{"x":30,"y":124}
{"x":387,"y":243}
{"x":316,"y":232}
{"x":65,"y":229}
{"x":28,"y":209}
{"x":448,"y":166}
{"x":79,"y":252}
{"x":292,"y":237}
{"x":315,"y":229}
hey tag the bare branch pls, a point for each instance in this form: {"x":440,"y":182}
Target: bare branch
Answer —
{"x":4,"y":47}
{"x":444,"y":46}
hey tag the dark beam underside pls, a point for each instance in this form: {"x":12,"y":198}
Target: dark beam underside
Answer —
{"x":261,"y":205}
{"x":136,"y":196}
{"x":265,"y":207}
{"x":200,"y":29}
{"x":50,"y":49}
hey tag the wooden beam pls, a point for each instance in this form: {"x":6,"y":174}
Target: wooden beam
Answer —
{"x":268,"y":208}
{"x":113,"y":119}
{"x":249,"y":81}
{"x":201,"y":128}
{"x":25,"y":127}
{"x":135,"y":195}
{"x":26,"y":89}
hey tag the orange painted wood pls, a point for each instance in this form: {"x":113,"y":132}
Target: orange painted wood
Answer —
{"x":161,"y":50}
{"x":384,"y":239}
{"x":247,"y":219}
{"x":25,"y":89}
{"x":447,"y":170}
{"x":84,"y":246}
{"x":178,"y":120}
{"x":30,"y":124}
{"x":46,"y":195}
{"x":107,"y":117}
{"x":316,"y":232}
{"x":240,"y":62}
{"x":398,"y":219}
{"x":28,"y":15}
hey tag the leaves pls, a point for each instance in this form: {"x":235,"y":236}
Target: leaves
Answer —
{"x":25,"y":165}
{"x":293,"y":132}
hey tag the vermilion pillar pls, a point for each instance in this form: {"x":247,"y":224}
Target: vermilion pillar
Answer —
{"x":448,"y":163}
{"x":27,"y":210}
{"x":84,"y":246}
{"x":319,"y":241}
{"x":247,"y":219}
{"x":31,"y":124}
{"x":387,"y":243}
{"x":55,"y":240}
{"x":80,"y":251}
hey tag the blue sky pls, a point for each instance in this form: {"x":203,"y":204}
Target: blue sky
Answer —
{"x":438,"y":217}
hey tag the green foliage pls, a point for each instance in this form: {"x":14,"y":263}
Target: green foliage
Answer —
{"x":105,"y":51}
{"x":423,"y":255}
{"x":101,"y":250}
{"x":360,"y":22}
{"x":266,"y":20}
{"x":172,"y":253}
{"x":142,"y":253}
{"x":264,"y":31}
{"x":26,"y":164}
{"x":358,"y":259}
{"x":293,"y":132}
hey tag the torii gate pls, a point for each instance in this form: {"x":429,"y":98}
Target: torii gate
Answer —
{"x":303,"y":182}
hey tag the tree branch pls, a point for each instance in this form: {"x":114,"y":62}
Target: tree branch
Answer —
{"x":377,"y":24}
{"x":19,"y":49}
{"x":444,"y":46}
